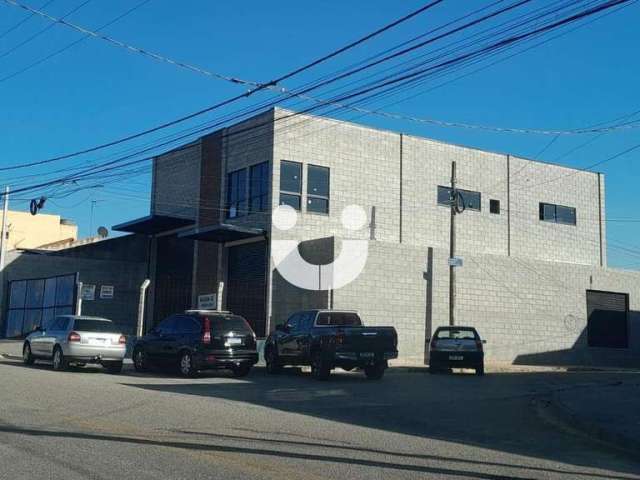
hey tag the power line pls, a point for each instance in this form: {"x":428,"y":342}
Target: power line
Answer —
{"x":72,"y":44}
{"x":258,"y":86}
{"x":42,"y":31}
{"x":24,"y":20}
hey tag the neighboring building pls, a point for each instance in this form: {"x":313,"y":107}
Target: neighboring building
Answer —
{"x":535,"y":280}
{"x":40,"y":284}
{"x":32,"y":231}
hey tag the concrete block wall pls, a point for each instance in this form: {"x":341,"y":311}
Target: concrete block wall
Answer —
{"x":125,"y":276}
{"x":400,"y":175}
{"x":245,"y":144}
{"x":534,"y":182}
{"x":176,"y":182}
{"x":529,"y":311}
{"x":364,"y":170}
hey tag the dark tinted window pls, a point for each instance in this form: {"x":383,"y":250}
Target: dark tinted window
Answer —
{"x":306,"y":321}
{"x":229,"y":323}
{"x":290,"y":183}
{"x":291,"y":200}
{"x":186,"y":324}
{"x":338,"y":318}
{"x":60,"y":323}
{"x":166,"y":325}
{"x":92,"y":325}
{"x":557,"y":214}
{"x":236,"y":193}
{"x":454,"y":333}
{"x":259,"y":187}
{"x":290,"y":177}
{"x":494,"y":206}
{"x":317,"y":205}
{"x":317,"y":189}
{"x":470,"y":199}
{"x":294,"y":321}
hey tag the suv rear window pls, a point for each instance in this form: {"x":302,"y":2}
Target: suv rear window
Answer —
{"x":233,"y":323}
{"x":453,"y":333}
{"x":92,"y":325}
{"x":338,"y":318}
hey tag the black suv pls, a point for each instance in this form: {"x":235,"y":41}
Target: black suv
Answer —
{"x":198,"y":340}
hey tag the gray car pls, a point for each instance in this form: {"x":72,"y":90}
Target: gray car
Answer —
{"x":78,"y":340}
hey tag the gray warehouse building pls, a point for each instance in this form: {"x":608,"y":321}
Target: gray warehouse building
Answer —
{"x":534,"y":279}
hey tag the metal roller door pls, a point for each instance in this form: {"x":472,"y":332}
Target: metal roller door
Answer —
{"x":607,"y":319}
{"x":246,"y":291}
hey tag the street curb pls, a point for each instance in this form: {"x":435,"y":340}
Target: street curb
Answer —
{"x":8,"y":356}
{"x":552,"y":411}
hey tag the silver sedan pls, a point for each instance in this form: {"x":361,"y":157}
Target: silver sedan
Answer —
{"x":79,"y":340}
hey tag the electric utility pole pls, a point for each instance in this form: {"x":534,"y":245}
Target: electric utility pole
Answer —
{"x":453,"y":196}
{"x":3,"y":240}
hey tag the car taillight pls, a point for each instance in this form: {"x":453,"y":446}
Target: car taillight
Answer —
{"x":479,"y":344}
{"x":340,"y":337}
{"x":122,"y":340}
{"x":206,"y":330}
{"x":73,"y":337}
{"x":434,"y":344}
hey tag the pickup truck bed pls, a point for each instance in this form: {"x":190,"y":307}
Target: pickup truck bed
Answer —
{"x":326,"y":339}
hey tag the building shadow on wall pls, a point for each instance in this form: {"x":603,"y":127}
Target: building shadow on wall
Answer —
{"x":602,"y":347}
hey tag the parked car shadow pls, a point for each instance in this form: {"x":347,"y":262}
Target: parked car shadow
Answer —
{"x":489,"y":412}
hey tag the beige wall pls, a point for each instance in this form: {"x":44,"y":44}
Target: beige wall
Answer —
{"x":29,"y":231}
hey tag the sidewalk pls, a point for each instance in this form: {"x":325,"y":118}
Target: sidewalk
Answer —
{"x":11,"y":348}
{"x":608,"y":413}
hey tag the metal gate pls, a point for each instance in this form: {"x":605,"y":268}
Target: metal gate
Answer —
{"x":607,"y":319}
{"x":35,"y":302}
{"x":174,"y":269}
{"x":247,"y":286}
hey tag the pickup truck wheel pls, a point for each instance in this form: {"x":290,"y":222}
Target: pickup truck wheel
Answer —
{"x":319,"y":368}
{"x":375,"y":371}
{"x":139,"y":360}
{"x":480,"y":370}
{"x":272,"y":361}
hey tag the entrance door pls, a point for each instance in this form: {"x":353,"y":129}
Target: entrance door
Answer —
{"x":247,"y":286}
{"x":607,"y":319}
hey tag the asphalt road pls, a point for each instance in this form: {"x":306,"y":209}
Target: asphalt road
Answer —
{"x":85,"y":424}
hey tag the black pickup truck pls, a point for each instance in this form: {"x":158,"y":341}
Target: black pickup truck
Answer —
{"x":326,"y":339}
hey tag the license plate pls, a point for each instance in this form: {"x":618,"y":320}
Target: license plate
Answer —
{"x":456,"y":357}
{"x":367,"y":355}
{"x":97,"y":341}
{"x":234,"y":341}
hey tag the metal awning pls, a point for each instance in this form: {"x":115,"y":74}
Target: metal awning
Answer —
{"x":222,"y":233}
{"x":152,"y":224}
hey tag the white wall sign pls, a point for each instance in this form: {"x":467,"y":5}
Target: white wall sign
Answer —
{"x":207,"y":301}
{"x":106,"y":291}
{"x":88,"y":292}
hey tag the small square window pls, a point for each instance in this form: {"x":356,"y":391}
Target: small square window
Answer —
{"x":494,"y":206}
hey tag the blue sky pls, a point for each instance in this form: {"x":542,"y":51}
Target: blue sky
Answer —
{"x":95,"y":92}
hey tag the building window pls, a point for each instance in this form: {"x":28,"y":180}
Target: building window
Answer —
{"x":557,"y":214}
{"x":494,"y":206}
{"x":470,"y":199}
{"x":236,"y":193}
{"x":258,"y":187}
{"x":317,"y":189}
{"x":290,"y":183}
